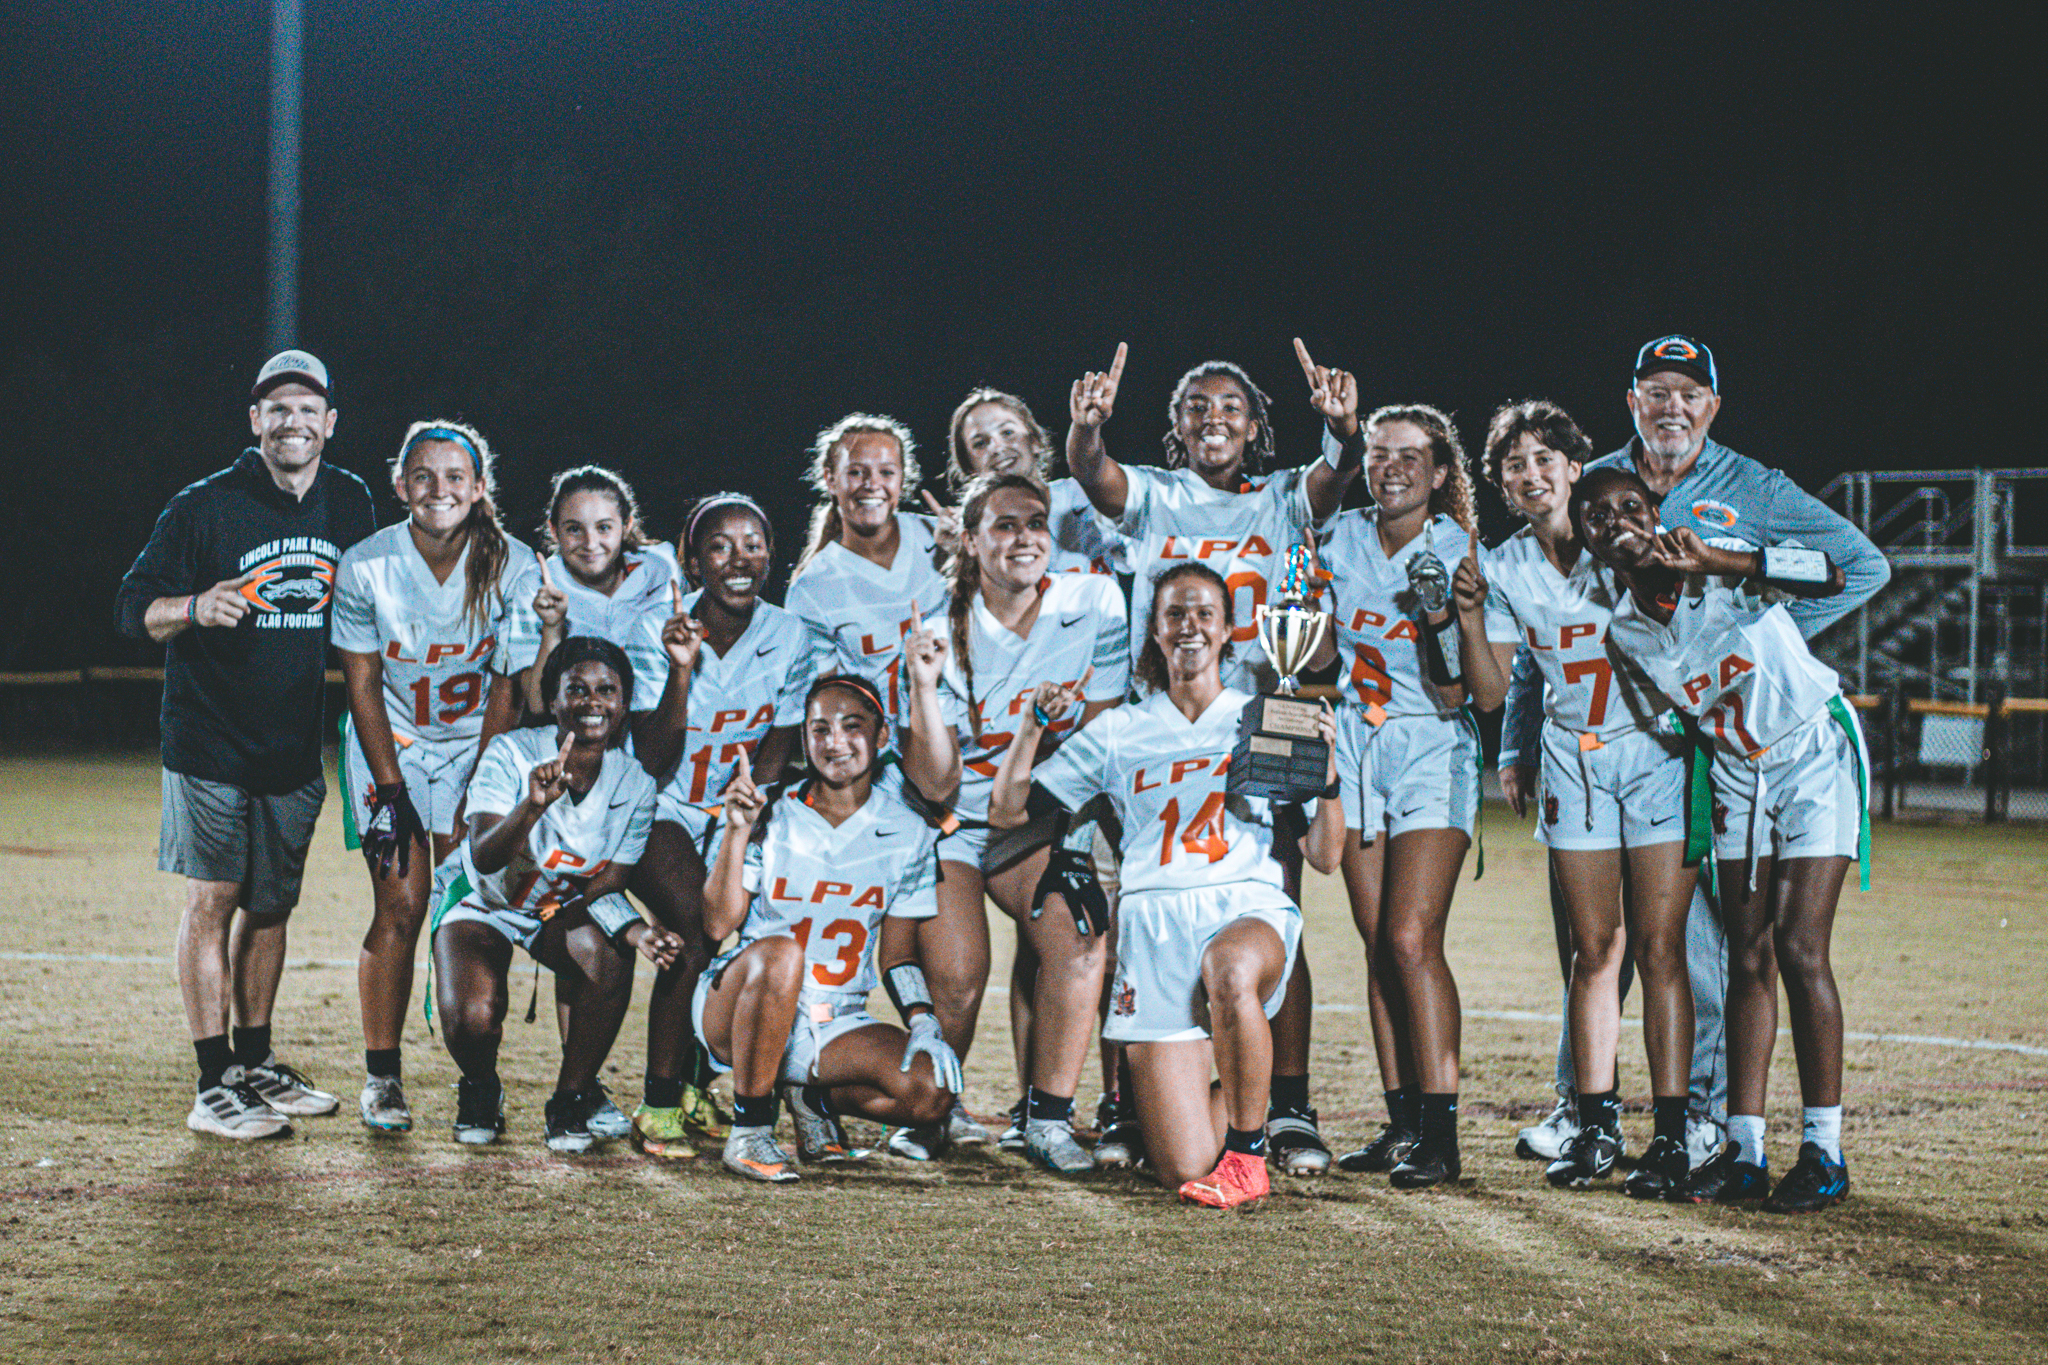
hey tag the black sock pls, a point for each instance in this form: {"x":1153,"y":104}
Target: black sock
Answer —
{"x":381,"y":1061}
{"x":1039,"y":1104}
{"x":662,"y":1092}
{"x":1602,"y":1111}
{"x":562,"y":1096}
{"x":702,"y":1073}
{"x":1404,"y":1109}
{"x":215,"y":1057}
{"x":1439,"y":1117}
{"x":755,"y":1111}
{"x":252,"y":1045}
{"x":1252,"y":1142}
{"x":1670,"y":1114}
{"x":818,"y":1098}
{"x":1290,"y":1094}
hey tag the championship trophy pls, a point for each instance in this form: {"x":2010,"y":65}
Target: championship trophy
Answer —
{"x":1279,"y":755}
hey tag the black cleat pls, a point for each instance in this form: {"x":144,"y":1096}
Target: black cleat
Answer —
{"x":1428,"y":1162}
{"x":1383,"y":1153}
{"x":1811,"y":1185}
{"x":568,"y":1123}
{"x":1295,"y":1143}
{"x":479,"y":1111}
{"x":1660,"y":1170}
{"x":1723,"y":1178}
{"x":1588,"y":1157}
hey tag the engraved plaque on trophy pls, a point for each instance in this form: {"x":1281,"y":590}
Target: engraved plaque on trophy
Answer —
{"x":1278,"y":754}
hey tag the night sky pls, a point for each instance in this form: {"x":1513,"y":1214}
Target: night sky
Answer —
{"x":681,"y":238}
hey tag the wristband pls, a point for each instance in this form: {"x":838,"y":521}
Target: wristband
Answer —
{"x":192,"y":610}
{"x":1440,"y":655}
{"x":906,"y":987}
{"x":1333,"y":791}
{"x":1038,"y":714}
{"x":1789,"y":564}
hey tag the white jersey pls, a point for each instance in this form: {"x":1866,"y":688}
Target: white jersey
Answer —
{"x":1564,"y":620}
{"x":573,"y":840}
{"x":1165,"y":776}
{"x":1379,"y":630}
{"x":757,"y":686}
{"x":1732,"y":659}
{"x":632,"y":618}
{"x":387,"y":603}
{"x":1171,"y":515}
{"x":829,"y":888}
{"x":1083,"y":540}
{"x":1080,"y":626}
{"x":864,"y":609}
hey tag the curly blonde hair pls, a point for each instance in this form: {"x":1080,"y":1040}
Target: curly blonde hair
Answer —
{"x":1454,"y":499}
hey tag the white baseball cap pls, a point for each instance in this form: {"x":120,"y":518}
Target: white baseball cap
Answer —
{"x":291,"y":367}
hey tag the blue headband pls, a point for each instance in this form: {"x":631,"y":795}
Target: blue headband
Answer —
{"x":450,"y":434}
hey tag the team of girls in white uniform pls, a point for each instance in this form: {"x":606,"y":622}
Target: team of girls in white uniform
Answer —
{"x":937,"y":719}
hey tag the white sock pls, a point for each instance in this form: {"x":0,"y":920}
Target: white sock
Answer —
{"x":1747,"y":1132}
{"x":1822,"y":1126}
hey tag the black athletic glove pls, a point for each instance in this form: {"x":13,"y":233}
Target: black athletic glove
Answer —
{"x":393,"y":829}
{"x":1071,"y":875}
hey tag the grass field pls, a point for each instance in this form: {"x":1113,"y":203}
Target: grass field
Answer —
{"x":123,"y":1236}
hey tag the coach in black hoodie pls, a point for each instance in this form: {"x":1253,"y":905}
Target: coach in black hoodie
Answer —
{"x":237,"y":580}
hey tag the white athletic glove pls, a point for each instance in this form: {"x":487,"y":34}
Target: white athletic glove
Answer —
{"x":925,"y":1037}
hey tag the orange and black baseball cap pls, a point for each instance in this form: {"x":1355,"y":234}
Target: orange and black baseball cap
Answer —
{"x":1682,"y":354}
{"x":290,"y":367}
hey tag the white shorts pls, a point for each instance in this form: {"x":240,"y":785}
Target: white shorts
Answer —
{"x":821,"y":1017}
{"x":435,"y":771}
{"x":1812,"y":802}
{"x":1628,"y":792}
{"x":1161,"y":936}
{"x":456,"y":901}
{"x":1409,"y":772}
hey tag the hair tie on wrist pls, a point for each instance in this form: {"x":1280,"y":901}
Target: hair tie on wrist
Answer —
{"x":1038,"y":714}
{"x":192,"y":610}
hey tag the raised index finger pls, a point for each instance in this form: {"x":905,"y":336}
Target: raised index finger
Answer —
{"x":675,"y":597}
{"x":1116,"y":367}
{"x":568,"y":743}
{"x":743,"y":770}
{"x":1308,"y":367}
{"x":547,"y":579}
{"x":931,"y":502}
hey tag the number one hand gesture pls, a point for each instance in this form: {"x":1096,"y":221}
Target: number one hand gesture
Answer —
{"x":683,"y":636}
{"x":1469,"y":584}
{"x":550,"y":604}
{"x":1333,"y":393}
{"x":1094,"y":395}
{"x":742,"y":799}
{"x":546,"y":783}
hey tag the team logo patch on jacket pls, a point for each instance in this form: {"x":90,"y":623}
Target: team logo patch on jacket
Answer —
{"x":290,"y":581}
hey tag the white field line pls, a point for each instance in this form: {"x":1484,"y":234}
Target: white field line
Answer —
{"x":1324,"y":1007}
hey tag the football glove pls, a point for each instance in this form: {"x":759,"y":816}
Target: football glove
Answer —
{"x":925,"y":1037}
{"x":1070,"y":874}
{"x":394,"y":826}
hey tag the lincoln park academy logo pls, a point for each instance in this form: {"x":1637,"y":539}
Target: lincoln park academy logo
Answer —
{"x":291,"y":582}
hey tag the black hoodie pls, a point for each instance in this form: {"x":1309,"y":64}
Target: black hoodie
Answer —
{"x":243,"y":705}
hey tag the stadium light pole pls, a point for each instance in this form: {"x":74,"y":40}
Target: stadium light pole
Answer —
{"x":287,"y":59}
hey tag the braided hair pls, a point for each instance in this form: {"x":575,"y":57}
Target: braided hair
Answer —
{"x":1258,"y":457}
{"x":963,"y":570}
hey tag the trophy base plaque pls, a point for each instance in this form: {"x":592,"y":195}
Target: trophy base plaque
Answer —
{"x":1278,"y":754}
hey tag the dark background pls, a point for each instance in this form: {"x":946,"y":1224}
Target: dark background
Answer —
{"x":680,"y":239}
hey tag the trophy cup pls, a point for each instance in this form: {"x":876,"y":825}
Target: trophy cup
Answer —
{"x":1278,"y":754}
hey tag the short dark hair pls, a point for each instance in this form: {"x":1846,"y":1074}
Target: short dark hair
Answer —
{"x":1595,"y":482}
{"x":1550,"y":424}
{"x":584,"y":649}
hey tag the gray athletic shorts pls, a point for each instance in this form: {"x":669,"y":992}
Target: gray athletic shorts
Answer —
{"x":217,"y":832}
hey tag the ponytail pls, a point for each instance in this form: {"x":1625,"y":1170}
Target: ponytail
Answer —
{"x":826,"y":525}
{"x":488,"y":549}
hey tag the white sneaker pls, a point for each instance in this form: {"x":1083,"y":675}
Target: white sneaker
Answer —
{"x":605,"y":1119}
{"x":233,"y":1110}
{"x":962,"y":1130}
{"x":1051,"y":1143}
{"x":918,"y":1144}
{"x":383,"y":1106}
{"x":755,"y":1154}
{"x":1547,"y":1140}
{"x":1703,"y":1138}
{"x":284,"y":1089}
